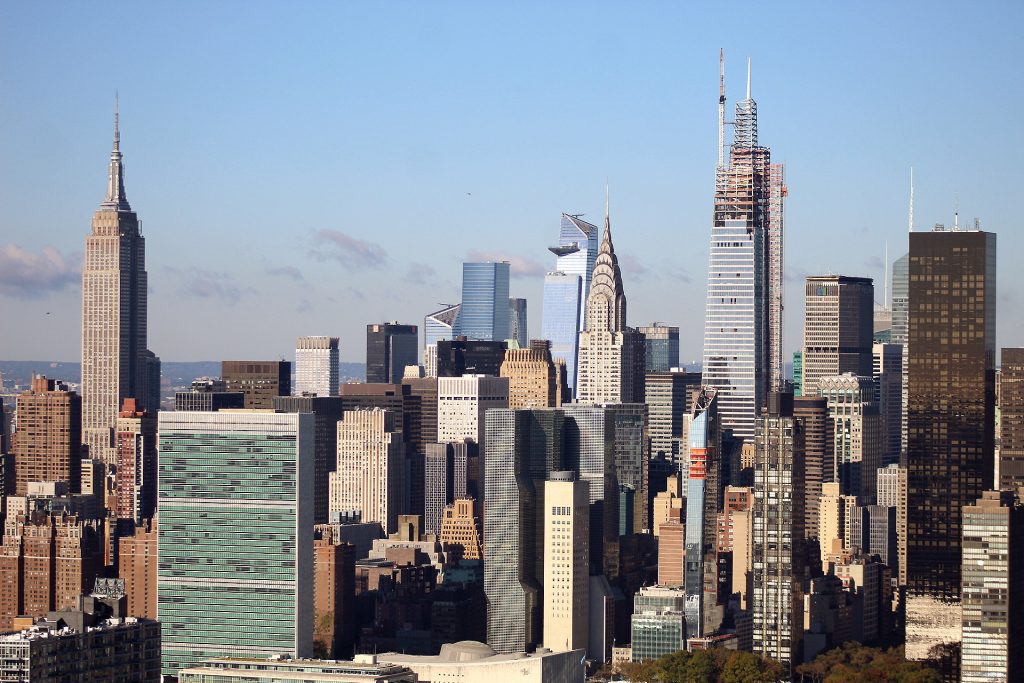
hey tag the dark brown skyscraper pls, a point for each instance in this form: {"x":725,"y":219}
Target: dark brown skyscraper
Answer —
{"x":951,"y":418}
{"x":812,"y":412}
{"x":47,"y":445}
{"x":334,"y":585}
{"x":389,"y":348}
{"x":1011,"y":419}
{"x":259,"y":380}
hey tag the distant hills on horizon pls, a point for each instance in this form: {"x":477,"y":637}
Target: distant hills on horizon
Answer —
{"x":174,"y":373}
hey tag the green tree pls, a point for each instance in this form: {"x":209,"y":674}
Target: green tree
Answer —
{"x":746,"y":667}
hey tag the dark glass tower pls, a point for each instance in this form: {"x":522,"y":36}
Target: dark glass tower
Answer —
{"x":951,"y":418}
{"x":389,"y":348}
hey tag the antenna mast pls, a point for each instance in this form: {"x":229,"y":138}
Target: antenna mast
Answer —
{"x":885,"y":283}
{"x":911,"y":219}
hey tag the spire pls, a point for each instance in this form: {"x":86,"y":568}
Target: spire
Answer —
{"x":745,"y":125}
{"x":911,"y":217}
{"x":116,"y":199}
{"x":606,"y":302}
{"x":748,"y":78}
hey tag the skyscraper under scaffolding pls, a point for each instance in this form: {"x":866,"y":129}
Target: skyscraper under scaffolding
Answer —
{"x":743,"y":323}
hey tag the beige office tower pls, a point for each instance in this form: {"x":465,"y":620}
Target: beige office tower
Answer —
{"x":566,"y":562}
{"x":892,"y":492}
{"x":462,"y":402}
{"x":838,"y":328}
{"x":667,"y":501}
{"x":856,"y":432}
{"x":370,"y":468}
{"x":836,"y":522}
{"x":611,"y":355}
{"x":532,"y":377}
{"x":317,"y":366}
{"x":115,"y":362}
{"x":742,"y":554}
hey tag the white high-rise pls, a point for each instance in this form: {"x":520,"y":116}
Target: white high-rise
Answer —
{"x":462,"y":402}
{"x":115,"y":362}
{"x":317,"y":366}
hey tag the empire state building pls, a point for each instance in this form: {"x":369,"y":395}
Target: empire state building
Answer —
{"x":115,"y":361}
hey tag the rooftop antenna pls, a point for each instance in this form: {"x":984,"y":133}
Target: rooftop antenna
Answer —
{"x":721,"y":107}
{"x":117,"y":127}
{"x":956,"y":212}
{"x":911,"y":220}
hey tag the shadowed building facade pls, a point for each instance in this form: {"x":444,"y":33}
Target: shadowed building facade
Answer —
{"x":951,"y":419}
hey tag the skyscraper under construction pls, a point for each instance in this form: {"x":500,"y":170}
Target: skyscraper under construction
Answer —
{"x":743,"y":323}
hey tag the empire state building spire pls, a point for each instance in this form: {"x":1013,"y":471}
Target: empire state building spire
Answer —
{"x":116,"y":199}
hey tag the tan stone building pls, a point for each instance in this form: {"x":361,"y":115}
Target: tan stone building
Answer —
{"x":369,"y":472}
{"x":533,"y":378}
{"x":48,"y":442}
{"x":460,"y":530}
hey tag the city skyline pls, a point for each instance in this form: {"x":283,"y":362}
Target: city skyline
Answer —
{"x":215,"y":253}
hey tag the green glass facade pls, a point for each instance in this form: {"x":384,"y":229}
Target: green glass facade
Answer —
{"x":235,"y":535}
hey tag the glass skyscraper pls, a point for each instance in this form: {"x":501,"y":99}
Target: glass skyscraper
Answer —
{"x":561,"y":318}
{"x":577,"y":253}
{"x":703,"y":489}
{"x":484,"y":314}
{"x":235,"y":542}
{"x":742,"y":328}
{"x":661,"y":344}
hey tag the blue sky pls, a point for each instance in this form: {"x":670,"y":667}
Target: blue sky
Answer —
{"x":310,"y":168}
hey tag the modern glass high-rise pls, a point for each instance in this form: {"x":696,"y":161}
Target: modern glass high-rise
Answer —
{"x":562,"y":319}
{"x":901,"y":333}
{"x":658,"y":623}
{"x":888,"y":376}
{"x":115,"y":362}
{"x":235,"y":536}
{"x":517,"y":323}
{"x":437,"y":326}
{"x":951,"y":419}
{"x":389,"y":348}
{"x":576,"y":253}
{"x":317,"y":366}
{"x":484,"y":313}
{"x":704,"y":487}
{"x":900,"y":299}
{"x":742,"y":329}
{"x":661,"y":344}
{"x":523,"y":448}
